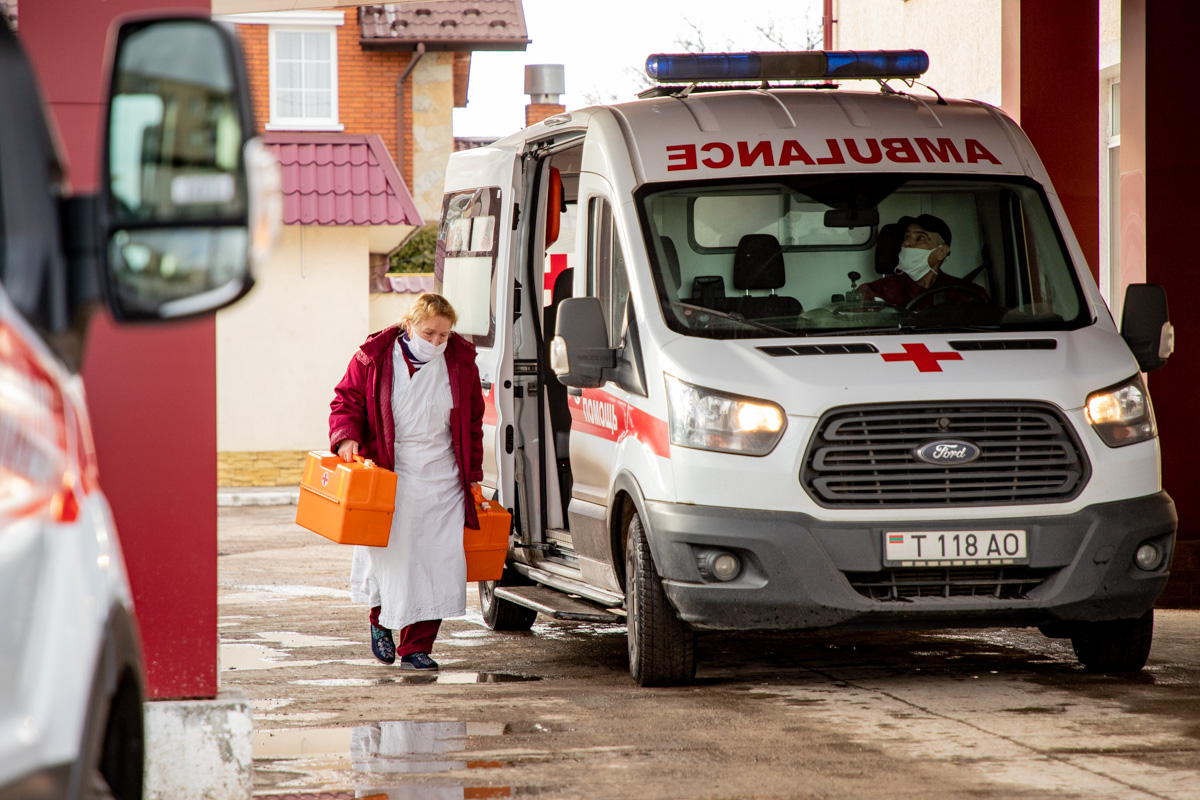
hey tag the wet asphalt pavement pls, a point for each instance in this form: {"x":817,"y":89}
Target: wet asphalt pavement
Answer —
{"x":553,"y":713}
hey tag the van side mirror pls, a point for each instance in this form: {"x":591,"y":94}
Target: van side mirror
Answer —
{"x":579,"y":354}
{"x":1145,"y":326}
{"x":189,"y":200}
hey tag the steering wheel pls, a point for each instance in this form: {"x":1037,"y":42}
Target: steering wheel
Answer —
{"x":975,"y":294}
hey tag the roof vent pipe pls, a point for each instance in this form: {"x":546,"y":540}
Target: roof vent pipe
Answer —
{"x":545,"y":83}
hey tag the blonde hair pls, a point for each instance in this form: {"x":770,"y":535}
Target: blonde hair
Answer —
{"x":427,"y":306}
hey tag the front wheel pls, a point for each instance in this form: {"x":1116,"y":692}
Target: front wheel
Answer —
{"x":500,"y":614}
{"x":1121,"y":645}
{"x":662,"y":648}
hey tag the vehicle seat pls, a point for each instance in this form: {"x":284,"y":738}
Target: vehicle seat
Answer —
{"x":556,"y":392}
{"x":888,"y":242}
{"x":672,"y":263}
{"x":758,"y":264}
{"x":709,"y":291}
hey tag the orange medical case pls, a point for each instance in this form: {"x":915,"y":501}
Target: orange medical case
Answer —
{"x":350,"y":502}
{"x":487,"y":547}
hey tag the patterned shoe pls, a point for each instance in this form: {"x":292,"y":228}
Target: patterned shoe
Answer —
{"x":419,"y":661}
{"x":382,"y":645}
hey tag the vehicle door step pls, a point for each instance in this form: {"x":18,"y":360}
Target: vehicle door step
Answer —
{"x":555,"y":604}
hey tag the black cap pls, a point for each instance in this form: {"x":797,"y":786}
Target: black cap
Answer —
{"x":930,"y":223}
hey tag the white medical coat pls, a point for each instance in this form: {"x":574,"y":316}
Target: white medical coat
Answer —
{"x":422,"y":573}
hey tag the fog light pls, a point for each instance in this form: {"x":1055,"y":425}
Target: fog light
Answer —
{"x":1148,"y":556}
{"x":719,"y":565}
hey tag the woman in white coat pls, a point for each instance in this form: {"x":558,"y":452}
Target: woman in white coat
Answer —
{"x":411,"y":402}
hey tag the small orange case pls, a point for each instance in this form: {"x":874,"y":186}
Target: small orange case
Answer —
{"x":487,"y":547}
{"x":349,"y":502}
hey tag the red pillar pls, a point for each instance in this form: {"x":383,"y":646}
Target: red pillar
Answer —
{"x":1160,"y":170}
{"x":151,"y":390}
{"x":1050,"y":85}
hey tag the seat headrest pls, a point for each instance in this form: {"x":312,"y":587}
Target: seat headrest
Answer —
{"x":758,"y":263}
{"x":672,"y":257}
{"x":888,"y":242}
{"x":564,"y":284}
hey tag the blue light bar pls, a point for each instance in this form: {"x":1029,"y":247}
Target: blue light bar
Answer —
{"x":783,"y":66}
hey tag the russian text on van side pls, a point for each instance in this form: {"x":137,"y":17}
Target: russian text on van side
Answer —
{"x":719,"y":155}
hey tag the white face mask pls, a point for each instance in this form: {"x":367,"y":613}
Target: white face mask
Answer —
{"x":914,"y":262}
{"x":424,"y":350}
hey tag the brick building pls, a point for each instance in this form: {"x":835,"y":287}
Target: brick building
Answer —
{"x":357,"y":103}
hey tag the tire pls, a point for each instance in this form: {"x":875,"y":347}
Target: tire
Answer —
{"x":662,"y":647}
{"x":122,"y":764}
{"x":1121,"y":645}
{"x":502,"y":615}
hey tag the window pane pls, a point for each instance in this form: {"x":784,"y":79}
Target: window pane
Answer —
{"x":316,"y":76}
{"x":318,"y":105}
{"x":316,"y":46}
{"x":288,"y":45}
{"x":465,"y":261}
{"x":288,"y":75}
{"x":620,"y":294}
{"x":288,"y":103}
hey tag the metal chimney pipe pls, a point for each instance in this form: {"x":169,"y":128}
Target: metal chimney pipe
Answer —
{"x":545,"y":83}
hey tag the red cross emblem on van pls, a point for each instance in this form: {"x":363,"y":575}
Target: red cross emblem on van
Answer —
{"x":925,"y":359}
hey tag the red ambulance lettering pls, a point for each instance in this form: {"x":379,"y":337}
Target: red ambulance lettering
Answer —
{"x":943,"y":151}
{"x":681,"y":156}
{"x":747,"y":157}
{"x":897,"y":150}
{"x":792,"y":151}
{"x":835,"y":153}
{"x":900,"y":151}
{"x":977,"y":152}
{"x":874,"y":156}
{"x":726,"y":155}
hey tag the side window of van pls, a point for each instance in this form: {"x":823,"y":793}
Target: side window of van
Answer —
{"x":465,"y":261}
{"x":607,"y":276}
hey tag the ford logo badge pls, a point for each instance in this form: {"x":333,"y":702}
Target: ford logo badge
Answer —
{"x":947,"y":452}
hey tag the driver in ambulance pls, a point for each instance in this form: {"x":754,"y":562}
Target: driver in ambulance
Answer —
{"x":924,"y":250}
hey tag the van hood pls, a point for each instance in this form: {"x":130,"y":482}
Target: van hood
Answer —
{"x":808,"y":376}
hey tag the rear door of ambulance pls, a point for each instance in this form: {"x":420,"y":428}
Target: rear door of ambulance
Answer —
{"x":477,"y":260}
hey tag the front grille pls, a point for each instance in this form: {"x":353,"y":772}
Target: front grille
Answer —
{"x":863,"y":456}
{"x":1001,"y":583}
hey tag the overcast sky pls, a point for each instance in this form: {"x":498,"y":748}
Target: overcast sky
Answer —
{"x":604,"y":46}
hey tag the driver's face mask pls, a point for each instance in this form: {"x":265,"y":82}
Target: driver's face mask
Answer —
{"x":914,"y":262}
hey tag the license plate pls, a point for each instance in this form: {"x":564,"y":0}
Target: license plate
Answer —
{"x":953,"y":548}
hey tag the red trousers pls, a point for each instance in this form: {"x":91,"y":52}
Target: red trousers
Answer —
{"x":415,"y":638}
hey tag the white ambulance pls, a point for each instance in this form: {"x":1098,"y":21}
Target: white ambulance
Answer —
{"x":743,"y":406}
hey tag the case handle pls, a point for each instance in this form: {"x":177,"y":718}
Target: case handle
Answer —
{"x":366,"y":462}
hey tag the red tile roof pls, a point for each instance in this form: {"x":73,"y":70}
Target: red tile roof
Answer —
{"x":444,"y":25}
{"x":340,"y":179}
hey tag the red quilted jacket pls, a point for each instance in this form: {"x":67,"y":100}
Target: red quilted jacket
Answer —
{"x":362,"y":407}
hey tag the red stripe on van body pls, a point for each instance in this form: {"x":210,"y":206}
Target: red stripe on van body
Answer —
{"x":598,"y":413}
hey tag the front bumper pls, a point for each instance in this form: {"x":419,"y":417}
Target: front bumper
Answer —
{"x":798,"y":570}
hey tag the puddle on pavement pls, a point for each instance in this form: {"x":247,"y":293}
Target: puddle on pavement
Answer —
{"x":443,"y":678}
{"x":244,"y":657}
{"x":290,"y":639}
{"x":370,"y":756}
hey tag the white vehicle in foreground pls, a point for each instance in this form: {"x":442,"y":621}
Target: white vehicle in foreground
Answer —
{"x":168,"y":236}
{"x":729,"y":432}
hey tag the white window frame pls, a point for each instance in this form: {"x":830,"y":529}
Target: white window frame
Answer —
{"x":298,"y":22}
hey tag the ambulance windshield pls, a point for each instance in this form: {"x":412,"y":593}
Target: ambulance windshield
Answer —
{"x":813,"y":256}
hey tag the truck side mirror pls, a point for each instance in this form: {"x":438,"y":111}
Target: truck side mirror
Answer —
{"x":189,"y":200}
{"x":579,"y":354}
{"x":1145,"y":326}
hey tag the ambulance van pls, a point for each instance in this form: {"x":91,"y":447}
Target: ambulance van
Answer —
{"x":715,"y":402}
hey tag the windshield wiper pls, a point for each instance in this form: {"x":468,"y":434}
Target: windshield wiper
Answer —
{"x":736,"y":318}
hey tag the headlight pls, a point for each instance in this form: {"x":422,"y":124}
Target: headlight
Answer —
{"x":1122,"y":414}
{"x":710,"y":420}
